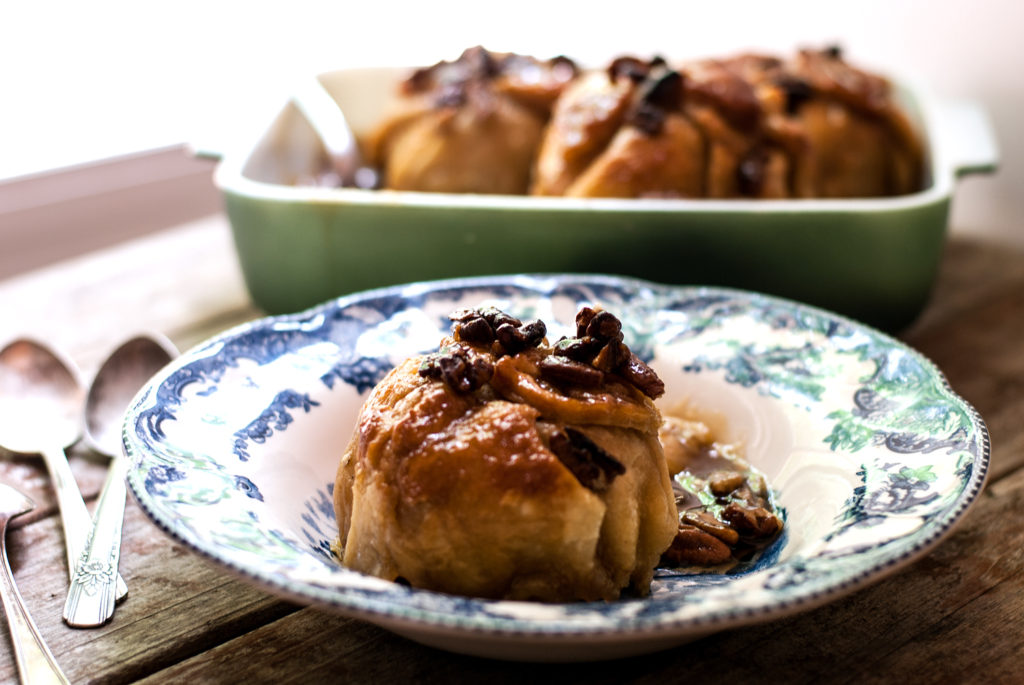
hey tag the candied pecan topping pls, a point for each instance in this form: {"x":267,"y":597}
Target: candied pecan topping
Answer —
{"x":660,"y":92}
{"x":633,"y":68}
{"x":482,"y":61}
{"x":797,"y":90}
{"x":487,"y":325}
{"x":648,"y":118}
{"x":474,"y":63}
{"x":515,"y":339}
{"x":564,"y":65}
{"x":745,"y":495}
{"x":583,"y":361}
{"x":693,"y":546}
{"x":418,"y":81}
{"x":598,"y":342}
{"x":721,"y":483}
{"x":451,"y":95}
{"x":459,"y":366}
{"x":476,"y":331}
{"x":564,"y":370}
{"x":717,"y":84}
{"x":578,"y":349}
{"x":489,"y":314}
{"x":594,"y":468}
{"x":598,"y":324}
{"x":612,"y":356}
{"x":453,"y":83}
{"x":636,"y":371}
{"x":754,"y":522}
{"x":709,"y":524}
{"x":664,"y":89}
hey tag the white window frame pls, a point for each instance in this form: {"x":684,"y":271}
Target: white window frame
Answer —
{"x":55,"y":215}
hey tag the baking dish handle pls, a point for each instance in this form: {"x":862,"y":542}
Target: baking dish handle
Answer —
{"x":210,"y":153}
{"x":969,"y":137}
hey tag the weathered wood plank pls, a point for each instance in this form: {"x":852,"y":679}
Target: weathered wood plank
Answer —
{"x":970,"y":273}
{"x":178,"y":604}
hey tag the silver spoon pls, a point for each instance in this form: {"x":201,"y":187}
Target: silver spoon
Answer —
{"x":40,"y":413}
{"x":91,"y":597}
{"x":35,"y":661}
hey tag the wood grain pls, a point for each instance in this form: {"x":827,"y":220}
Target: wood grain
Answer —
{"x":951,"y":616}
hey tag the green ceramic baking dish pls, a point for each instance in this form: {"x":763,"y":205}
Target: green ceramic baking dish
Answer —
{"x":872,"y":259}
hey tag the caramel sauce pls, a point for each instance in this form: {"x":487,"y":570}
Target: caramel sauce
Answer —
{"x":726,"y":511}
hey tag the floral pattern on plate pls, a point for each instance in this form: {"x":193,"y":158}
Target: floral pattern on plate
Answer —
{"x":234,"y":447}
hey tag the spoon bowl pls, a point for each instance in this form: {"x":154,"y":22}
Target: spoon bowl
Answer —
{"x":40,"y":398}
{"x":123,"y":373}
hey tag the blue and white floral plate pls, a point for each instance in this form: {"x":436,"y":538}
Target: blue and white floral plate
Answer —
{"x":233,"y":450}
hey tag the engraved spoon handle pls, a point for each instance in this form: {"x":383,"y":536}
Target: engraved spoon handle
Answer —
{"x":74,"y":515}
{"x":93,"y":589}
{"x":35,"y":661}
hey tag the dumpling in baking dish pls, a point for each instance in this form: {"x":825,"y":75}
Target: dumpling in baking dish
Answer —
{"x":503,"y":466}
{"x":749,"y":126}
{"x":468,"y":126}
{"x":622,"y":133}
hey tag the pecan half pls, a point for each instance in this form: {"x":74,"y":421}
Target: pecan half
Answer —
{"x":797,"y":90}
{"x":515,"y":338}
{"x":599,"y":324}
{"x":578,"y":349}
{"x":475,"y":331}
{"x":612,"y":356}
{"x":567,"y":371}
{"x":660,"y":93}
{"x":709,"y":524}
{"x":723,"y":482}
{"x":636,"y":371}
{"x":693,"y":546}
{"x":633,"y":68}
{"x":462,"y":369}
{"x":752,"y":522}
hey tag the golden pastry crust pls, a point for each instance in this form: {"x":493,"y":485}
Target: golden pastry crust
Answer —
{"x":483,"y":470}
{"x":619,"y":133}
{"x":583,"y":123}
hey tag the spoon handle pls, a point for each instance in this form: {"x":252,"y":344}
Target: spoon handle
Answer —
{"x":35,"y":661}
{"x":74,"y":515}
{"x":91,"y":598}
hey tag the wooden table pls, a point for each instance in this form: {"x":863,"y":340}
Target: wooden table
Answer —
{"x":953,"y":616}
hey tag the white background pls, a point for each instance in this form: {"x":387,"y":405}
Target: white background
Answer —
{"x":87,"y":80}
